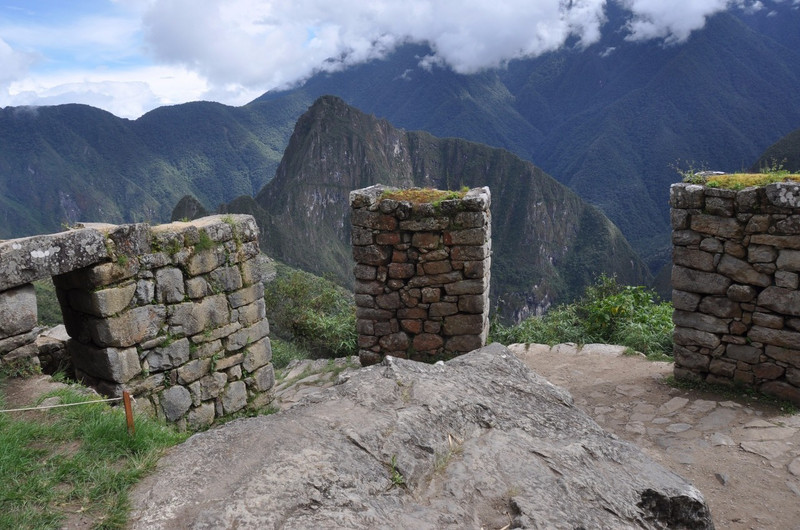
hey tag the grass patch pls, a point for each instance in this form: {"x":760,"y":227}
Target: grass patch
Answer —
{"x":75,"y":460}
{"x":607,"y":313}
{"x":47,"y":303}
{"x":314,"y":314}
{"x":424,"y":195}
{"x":733,"y":392}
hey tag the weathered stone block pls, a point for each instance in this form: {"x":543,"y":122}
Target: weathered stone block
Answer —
{"x":719,"y":306}
{"x":787,"y":280}
{"x":246,"y":296}
{"x":742,"y":272}
{"x":690,"y":360}
{"x":103,"y":302}
{"x":234,"y":397}
{"x":18,"y":313}
{"x":781,"y":242}
{"x":257,"y":355}
{"x":788,"y":260}
{"x":175,"y":401}
{"x":748,"y":354}
{"x":129,"y":328}
{"x":682,"y":195}
{"x":692,"y":258}
{"x":699,"y":321}
{"x":225,"y":279}
{"x":209,"y":386}
{"x":768,"y":321}
{"x":685,"y":279}
{"x":34,"y":258}
{"x":775,"y":337}
{"x":372,"y":254}
{"x":243,"y":337}
{"x":194,"y":317}
{"x":463,"y":343}
{"x":252,"y":313}
{"x":169,"y":285}
{"x":170,"y":356}
{"x":262,"y":379}
{"x":193,"y":370}
{"x":695,"y":337}
{"x":111,"y":364}
{"x":463,"y":325}
{"x":780,"y":300}
{"x":200,"y":417}
{"x":717,"y":226}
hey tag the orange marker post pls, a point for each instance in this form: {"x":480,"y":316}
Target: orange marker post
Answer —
{"x":126,"y":400}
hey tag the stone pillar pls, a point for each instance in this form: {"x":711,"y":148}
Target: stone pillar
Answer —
{"x":18,"y":317}
{"x":422,"y":272}
{"x":736,"y":264}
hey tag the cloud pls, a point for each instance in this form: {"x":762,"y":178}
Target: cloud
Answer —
{"x":123,"y":93}
{"x":13,"y":63}
{"x":234,"y":50}
{"x":674,"y":21}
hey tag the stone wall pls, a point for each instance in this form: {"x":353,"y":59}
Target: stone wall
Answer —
{"x":172,"y":313}
{"x":422,"y":275}
{"x":736,"y":259}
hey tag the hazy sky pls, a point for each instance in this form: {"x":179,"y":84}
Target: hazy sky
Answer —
{"x":129,"y":56}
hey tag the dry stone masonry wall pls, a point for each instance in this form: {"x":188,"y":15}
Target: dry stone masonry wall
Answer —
{"x":422,"y":275}
{"x":735,"y":279}
{"x":172,"y":313}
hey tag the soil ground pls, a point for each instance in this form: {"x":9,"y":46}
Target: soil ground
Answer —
{"x":743,"y":455}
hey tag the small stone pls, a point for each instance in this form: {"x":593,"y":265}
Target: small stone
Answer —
{"x":722,"y":478}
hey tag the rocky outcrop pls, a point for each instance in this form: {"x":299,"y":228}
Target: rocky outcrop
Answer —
{"x":479,"y":441}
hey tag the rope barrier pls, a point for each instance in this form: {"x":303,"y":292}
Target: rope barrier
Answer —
{"x":126,"y":399}
{"x":63,"y":405}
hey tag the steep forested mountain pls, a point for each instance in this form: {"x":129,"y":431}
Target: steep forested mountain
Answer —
{"x":72,"y":163}
{"x":547,"y":242}
{"x":785,"y":154}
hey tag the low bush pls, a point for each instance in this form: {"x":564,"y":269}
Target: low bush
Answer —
{"x":607,"y":313}
{"x":312,"y":313}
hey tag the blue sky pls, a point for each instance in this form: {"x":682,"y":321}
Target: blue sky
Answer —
{"x":130,"y":56}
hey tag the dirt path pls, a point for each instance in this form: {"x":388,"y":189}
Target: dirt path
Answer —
{"x":744,"y":456}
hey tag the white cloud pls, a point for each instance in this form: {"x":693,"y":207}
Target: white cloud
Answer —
{"x":132,"y":55}
{"x":675,"y":20}
{"x":123,"y":93}
{"x":13,"y":63}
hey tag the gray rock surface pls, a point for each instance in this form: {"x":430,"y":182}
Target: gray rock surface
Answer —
{"x":479,"y":441}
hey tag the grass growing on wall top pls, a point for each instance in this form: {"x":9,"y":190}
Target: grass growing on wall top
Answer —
{"x":424,"y":195}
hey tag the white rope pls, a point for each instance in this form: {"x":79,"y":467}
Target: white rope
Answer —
{"x":63,"y":405}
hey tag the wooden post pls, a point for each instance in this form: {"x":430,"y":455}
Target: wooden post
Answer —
{"x":126,"y":400}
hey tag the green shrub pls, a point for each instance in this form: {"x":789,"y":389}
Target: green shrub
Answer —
{"x":315,"y":314}
{"x":47,"y":303}
{"x":608,"y":313}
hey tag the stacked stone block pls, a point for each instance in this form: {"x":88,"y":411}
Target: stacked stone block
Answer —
{"x":735,"y":279}
{"x":173,"y":313}
{"x":177,"y":317}
{"x":23,"y":261}
{"x":421,"y":276}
